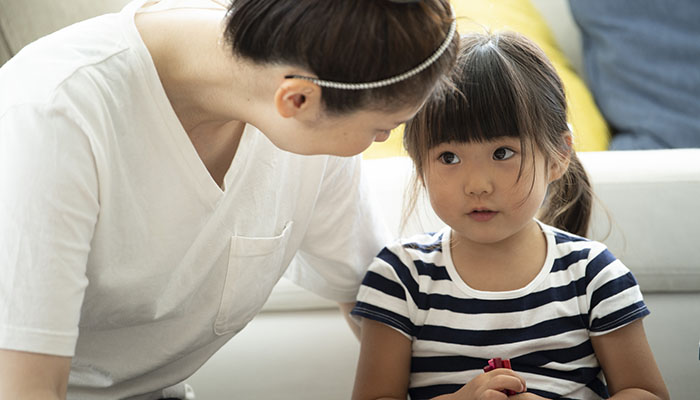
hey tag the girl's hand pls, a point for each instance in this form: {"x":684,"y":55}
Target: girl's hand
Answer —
{"x":490,"y":386}
{"x":526,"y":396}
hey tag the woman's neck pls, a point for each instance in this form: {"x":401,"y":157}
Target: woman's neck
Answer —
{"x":194,"y":66}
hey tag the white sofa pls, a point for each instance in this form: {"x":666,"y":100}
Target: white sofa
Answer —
{"x":299,"y":347}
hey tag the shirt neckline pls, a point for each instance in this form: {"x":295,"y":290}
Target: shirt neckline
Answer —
{"x":499,"y":295}
{"x":174,"y":133}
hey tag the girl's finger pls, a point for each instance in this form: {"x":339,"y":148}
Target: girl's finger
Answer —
{"x":505,"y":379}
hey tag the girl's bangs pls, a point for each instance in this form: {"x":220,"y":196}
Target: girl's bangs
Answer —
{"x":483,"y":107}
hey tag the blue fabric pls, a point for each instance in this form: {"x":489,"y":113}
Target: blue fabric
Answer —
{"x":642,"y":63}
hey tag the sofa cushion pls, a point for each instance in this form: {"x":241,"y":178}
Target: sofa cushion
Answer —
{"x":523,"y":17}
{"x":4,"y":50}
{"x":23,"y":21}
{"x":641,"y":62}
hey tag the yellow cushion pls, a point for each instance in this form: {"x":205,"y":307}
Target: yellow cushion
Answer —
{"x":591,"y":130}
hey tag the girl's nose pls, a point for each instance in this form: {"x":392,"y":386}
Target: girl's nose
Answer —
{"x":477,"y":184}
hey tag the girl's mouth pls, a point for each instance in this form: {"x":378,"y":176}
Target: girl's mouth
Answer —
{"x":482,"y":215}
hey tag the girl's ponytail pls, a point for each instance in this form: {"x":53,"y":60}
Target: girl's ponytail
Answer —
{"x":569,"y":202}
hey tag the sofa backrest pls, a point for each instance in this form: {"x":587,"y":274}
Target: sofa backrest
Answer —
{"x":558,"y":16}
{"x":23,"y":21}
{"x":645,"y":212}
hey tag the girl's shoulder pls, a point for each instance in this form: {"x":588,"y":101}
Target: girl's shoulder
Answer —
{"x":420,"y":248}
{"x":566,"y":242}
{"x":427,"y":242}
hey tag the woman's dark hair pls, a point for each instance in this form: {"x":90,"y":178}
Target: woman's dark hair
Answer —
{"x":504,"y":85}
{"x":348,"y":41}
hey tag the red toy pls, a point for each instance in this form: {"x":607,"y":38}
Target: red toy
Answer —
{"x":498,"y":363}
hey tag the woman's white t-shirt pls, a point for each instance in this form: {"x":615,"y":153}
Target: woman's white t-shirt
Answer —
{"x":118,"y":248}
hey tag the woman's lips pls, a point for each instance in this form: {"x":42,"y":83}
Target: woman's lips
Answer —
{"x":482,"y":215}
{"x":382,"y":137}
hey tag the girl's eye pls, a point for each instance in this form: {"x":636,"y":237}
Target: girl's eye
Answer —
{"x":449,"y":158}
{"x":503,"y":153}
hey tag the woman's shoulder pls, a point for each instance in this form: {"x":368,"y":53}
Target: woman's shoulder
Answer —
{"x":78,"y":59}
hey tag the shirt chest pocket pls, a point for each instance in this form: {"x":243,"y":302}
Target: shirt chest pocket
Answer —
{"x":255,"y":265}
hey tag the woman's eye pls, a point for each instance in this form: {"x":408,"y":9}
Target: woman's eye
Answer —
{"x":449,"y":158}
{"x":503,"y":153}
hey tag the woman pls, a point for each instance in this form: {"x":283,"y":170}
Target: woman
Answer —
{"x":156,"y":182}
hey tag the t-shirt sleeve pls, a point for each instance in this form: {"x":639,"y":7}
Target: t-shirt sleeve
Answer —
{"x":614,"y":297}
{"x":48,"y":209}
{"x":344,"y":233}
{"x":384,"y":297}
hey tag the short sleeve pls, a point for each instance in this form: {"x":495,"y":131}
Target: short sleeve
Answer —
{"x":48,"y":209}
{"x":383,"y":297}
{"x":344,"y":233}
{"x":613,"y":294}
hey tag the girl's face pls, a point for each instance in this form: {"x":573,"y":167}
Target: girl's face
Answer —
{"x":474,"y":188}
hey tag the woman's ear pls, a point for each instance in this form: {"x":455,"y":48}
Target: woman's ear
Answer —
{"x":297,"y":98}
{"x":558,"y":166}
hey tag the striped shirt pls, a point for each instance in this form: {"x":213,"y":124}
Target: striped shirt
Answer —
{"x":544,"y":328}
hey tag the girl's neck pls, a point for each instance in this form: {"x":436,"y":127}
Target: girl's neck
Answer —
{"x":502,"y":266}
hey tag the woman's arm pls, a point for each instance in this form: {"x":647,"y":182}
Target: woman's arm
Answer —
{"x":33,"y":376}
{"x":628,"y":363}
{"x":384,"y":366}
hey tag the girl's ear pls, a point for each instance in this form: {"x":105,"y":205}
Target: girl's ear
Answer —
{"x":558,"y":166}
{"x":298,"y":98}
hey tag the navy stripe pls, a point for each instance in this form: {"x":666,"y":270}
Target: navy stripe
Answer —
{"x":428,"y":392}
{"x":563,"y":355}
{"x":620,"y":317}
{"x":547,"y":395}
{"x":597,"y":264}
{"x":560,"y":237}
{"x":486,"y":306}
{"x":435,"y":272}
{"x":599,"y":388}
{"x":447,"y":364}
{"x":611,"y":288}
{"x":466,"y":363}
{"x":426,"y":248}
{"x":475,"y":306}
{"x":386,"y":286}
{"x":563,"y":263}
{"x":500,"y":336}
{"x":384,"y":316}
{"x":404,"y":275}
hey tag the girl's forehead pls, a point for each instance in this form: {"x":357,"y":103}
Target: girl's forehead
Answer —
{"x":511,"y":140}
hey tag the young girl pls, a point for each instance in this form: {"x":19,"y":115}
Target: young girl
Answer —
{"x":155,"y":185}
{"x":497,"y":282}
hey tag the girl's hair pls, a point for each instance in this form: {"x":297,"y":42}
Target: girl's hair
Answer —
{"x":348,"y":41}
{"x":504,"y":85}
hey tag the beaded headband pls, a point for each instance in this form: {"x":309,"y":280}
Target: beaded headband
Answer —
{"x":389,"y":81}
